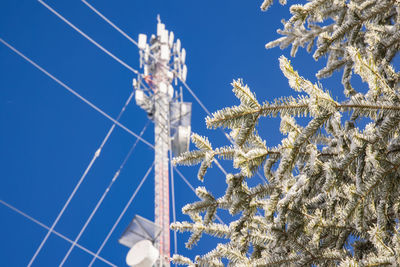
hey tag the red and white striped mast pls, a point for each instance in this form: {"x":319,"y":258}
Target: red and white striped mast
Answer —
{"x":162,"y":60}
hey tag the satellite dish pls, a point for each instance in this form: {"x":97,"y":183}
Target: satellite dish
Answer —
{"x":142,"y":254}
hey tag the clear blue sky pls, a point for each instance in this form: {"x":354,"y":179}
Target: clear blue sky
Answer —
{"x":48,"y":136}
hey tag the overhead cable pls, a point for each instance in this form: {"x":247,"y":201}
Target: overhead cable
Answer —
{"x":95,"y":156}
{"x":171,"y":166}
{"x":74,"y":92}
{"x":54,"y":232}
{"x":115,"y":177}
{"x":122,"y":214}
{"x":87,"y":37}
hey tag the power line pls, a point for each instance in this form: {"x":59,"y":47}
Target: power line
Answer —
{"x":87,"y":37}
{"x":115,"y":122}
{"x":110,"y":22}
{"x":173,"y":194}
{"x":74,"y":92}
{"x":135,"y":43}
{"x":123,"y":63}
{"x":103,"y":49}
{"x":112,"y":25}
{"x":115,"y":177}
{"x":185,"y":180}
{"x":53,"y":231}
{"x":122,"y":214}
{"x":95,"y":156}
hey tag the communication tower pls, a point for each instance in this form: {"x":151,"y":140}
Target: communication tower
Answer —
{"x":163,"y":62}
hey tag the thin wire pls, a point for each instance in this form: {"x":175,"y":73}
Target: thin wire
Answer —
{"x":173,"y":194}
{"x":75,"y":93}
{"x":220,"y":167}
{"x":115,"y":27}
{"x":109,"y":22}
{"x":135,"y":71}
{"x":183,"y":82}
{"x":209,"y":114}
{"x":135,"y":43}
{"x":194,"y":190}
{"x":87,"y":37}
{"x":123,"y":63}
{"x":55,"y":232}
{"x":115,"y":177}
{"x":95,"y":156}
{"x":185,"y":180}
{"x":122,"y":214}
{"x":263,"y":179}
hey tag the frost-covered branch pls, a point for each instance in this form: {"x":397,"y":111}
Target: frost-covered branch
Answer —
{"x":331,"y":179}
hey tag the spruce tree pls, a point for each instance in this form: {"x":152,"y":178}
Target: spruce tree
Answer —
{"x":335,"y":177}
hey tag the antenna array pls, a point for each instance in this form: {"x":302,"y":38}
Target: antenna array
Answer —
{"x":163,"y":62}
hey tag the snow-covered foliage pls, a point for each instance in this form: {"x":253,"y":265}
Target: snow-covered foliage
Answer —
{"x":332,"y":179}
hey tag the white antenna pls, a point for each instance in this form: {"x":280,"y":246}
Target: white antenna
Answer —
{"x":183,"y":55}
{"x":171,"y":118}
{"x":142,"y":41}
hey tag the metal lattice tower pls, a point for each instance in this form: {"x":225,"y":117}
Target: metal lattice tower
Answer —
{"x":162,"y":61}
{"x":162,"y":145}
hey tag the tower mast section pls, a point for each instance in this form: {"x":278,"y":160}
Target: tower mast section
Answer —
{"x":162,"y":144}
{"x":163,"y":61}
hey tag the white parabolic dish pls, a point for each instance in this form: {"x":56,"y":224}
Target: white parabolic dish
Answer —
{"x":142,"y":254}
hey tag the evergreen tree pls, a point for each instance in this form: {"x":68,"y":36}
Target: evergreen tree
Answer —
{"x":334,"y":178}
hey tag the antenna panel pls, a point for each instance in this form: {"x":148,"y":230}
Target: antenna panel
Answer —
{"x":181,"y":140}
{"x":178,"y":46}
{"x":142,"y":41}
{"x":146,"y":53}
{"x":140,"y":97}
{"x":180,"y":126}
{"x":165,"y":52}
{"x":186,"y":113}
{"x":160,"y":28}
{"x":164,"y":37}
{"x":184,"y":73}
{"x":171,"y":39}
{"x":139,"y":229}
{"x":183,"y":56}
